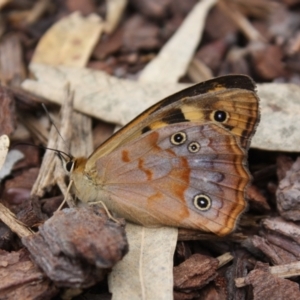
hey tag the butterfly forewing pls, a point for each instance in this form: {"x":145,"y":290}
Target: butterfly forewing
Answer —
{"x":199,"y":100}
{"x":182,"y":162}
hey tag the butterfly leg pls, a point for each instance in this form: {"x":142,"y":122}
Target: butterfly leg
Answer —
{"x":106,"y":209}
{"x":65,"y":198}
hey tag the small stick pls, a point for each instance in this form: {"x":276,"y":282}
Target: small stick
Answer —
{"x":8,"y":218}
{"x":283,"y":271}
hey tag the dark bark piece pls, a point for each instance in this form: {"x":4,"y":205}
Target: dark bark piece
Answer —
{"x":216,"y":290}
{"x":76,"y":246}
{"x":267,"y":61}
{"x":17,"y":190}
{"x":12,"y":68}
{"x":106,"y":66}
{"x":218,"y":25}
{"x":284,"y":164}
{"x":279,"y":241}
{"x":276,"y":254}
{"x":183,"y":251}
{"x":21,"y":279}
{"x":50,"y":205}
{"x":284,"y":243}
{"x":139,"y":34}
{"x":152,"y":8}
{"x":182,"y":8}
{"x":86,"y":7}
{"x":190,"y":295}
{"x":109,"y":44}
{"x":256,"y":199}
{"x":7,"y":112}
{"x":280,"y":226}
{"x":101,"y":132}
{"x":31,"y":214}
{"x":6,"y":236}
{"x":283,"y":23}
{"x":213,"y":53}
{"x":288,"y":194}
{"x":291,"y":2}
{"x":268,"y":286}
{"x":241,"y":263}
{"x":195,"y":272}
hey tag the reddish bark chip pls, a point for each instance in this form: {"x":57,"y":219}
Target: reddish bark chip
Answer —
{"x":195,"y":272}
{"x":7,"y":112}
{"x":77,"y":245}
{"x":268,"y":286}
{"x":288,"y":194}
{"x":20,"y":278}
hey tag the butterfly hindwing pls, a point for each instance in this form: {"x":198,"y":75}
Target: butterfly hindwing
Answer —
{"x":152,"y":181}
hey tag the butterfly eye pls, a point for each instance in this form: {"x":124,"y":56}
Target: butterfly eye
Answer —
{"x":194,"y":147}
{"x":220,"y":116}
{"x":202,"y":202}
{"x":69,"y":166}
{"x":178,"y":138}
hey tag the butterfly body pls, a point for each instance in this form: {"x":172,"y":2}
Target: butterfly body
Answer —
{"x":181,"y":163}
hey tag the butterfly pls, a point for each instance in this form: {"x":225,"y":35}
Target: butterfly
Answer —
{"x":181,"y":163}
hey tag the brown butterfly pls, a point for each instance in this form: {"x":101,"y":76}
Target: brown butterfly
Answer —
{"x":181,"y":163}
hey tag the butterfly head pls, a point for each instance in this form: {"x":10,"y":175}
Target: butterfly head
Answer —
{"x":71,"y":164}
{"x":68,"y":161}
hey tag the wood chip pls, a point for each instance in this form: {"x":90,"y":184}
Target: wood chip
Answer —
{"x":288,"y":194}
{"x":195,"y":272}
{"x":7,"y":112}
{"x":12,"y":69}
{"x":20,"y":278}
{"x":266,"y":285}
{"x":75,"y":246}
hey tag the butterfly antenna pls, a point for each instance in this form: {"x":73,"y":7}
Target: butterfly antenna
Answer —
{"x":58,"y":152}
{"x":52,"y":122}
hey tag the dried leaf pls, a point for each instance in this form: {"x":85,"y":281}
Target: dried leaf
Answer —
{"x":12,"y":157}
{"x":70,"y":41}
{"x":115,"y":10}
{"x":144,"y":273}
{"x":97,"y":94}
{"x":279,"y":126}
{"x":176,"y":55}
{"x":4,"y":144}
{"x":277,"y":131}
